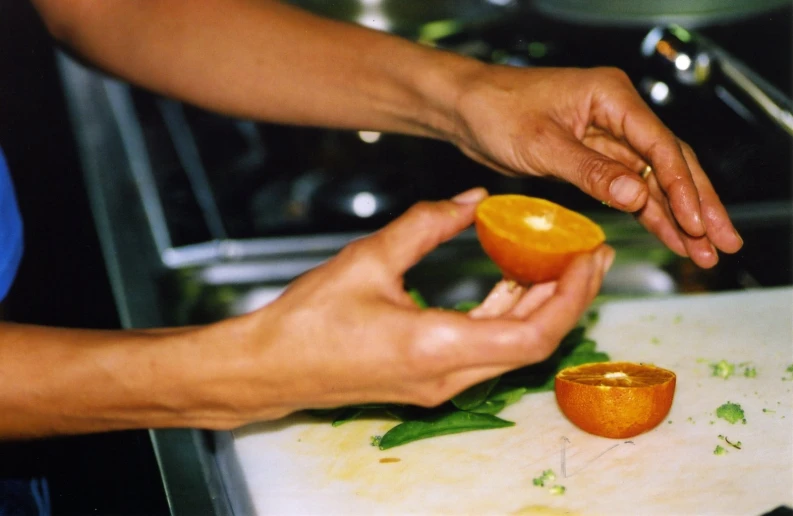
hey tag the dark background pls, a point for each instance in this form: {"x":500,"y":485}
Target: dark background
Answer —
{"x":62,"y":281}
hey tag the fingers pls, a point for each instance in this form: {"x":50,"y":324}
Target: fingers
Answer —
{"x":658,"y":218}
{"x":626,"y":115}
{"x":403,"y":242}
{"x":618,"y":150}
{"x":719,"y":228}
{"x":600,"y":176}
{"x":499,"y":301}
{"x":547,"y":315}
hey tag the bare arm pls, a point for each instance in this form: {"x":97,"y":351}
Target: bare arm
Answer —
{"x":307,"y":349}
{"x":266,"y":60}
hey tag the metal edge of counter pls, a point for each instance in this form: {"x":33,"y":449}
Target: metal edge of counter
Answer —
{"x":189,"y":474}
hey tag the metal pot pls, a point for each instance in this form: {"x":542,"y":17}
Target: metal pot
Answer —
{"x":648,"y":13}
{"x":411,"y":17}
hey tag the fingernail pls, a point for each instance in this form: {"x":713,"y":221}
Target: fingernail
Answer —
{"x":626,"y":189}
{"x":738,"y":236}
{"x":472,"y":196}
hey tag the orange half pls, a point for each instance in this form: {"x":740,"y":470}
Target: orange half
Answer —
{"x":615,"y":399}
{"x":533,"y":240}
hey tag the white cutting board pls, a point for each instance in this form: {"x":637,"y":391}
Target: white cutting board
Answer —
{"x":302,"y":466}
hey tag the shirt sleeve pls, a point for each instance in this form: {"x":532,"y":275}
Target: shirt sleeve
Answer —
{"x":11,"y":236}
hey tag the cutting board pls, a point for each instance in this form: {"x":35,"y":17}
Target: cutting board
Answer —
{"x":303,"y":466}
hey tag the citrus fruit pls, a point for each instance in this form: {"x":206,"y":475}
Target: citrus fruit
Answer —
{"x":533,"y":240}
{"x":615,"y":399}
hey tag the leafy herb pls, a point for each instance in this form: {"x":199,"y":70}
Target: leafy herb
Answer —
{"x":444,"y":424}
{"x":719,"y":450}
{"x":476,"y":407}
{"x":545,"y":477}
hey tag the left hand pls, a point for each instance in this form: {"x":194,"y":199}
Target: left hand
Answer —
{"x":590,"y":127}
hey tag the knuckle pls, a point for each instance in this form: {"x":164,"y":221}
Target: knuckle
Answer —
{"x":612,"y":73}
{"x":431,"y":396}
{"x":356,"y":250}
{"x":422,"y":214}
{"x":540,"y":344}
{"x":595,"y":172}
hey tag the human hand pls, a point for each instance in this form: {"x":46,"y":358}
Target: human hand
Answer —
{"x":347,"y":332}
{"x":590,"y":127}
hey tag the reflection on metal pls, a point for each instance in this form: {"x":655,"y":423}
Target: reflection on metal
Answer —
{"x":754,"y":88}
{"x":369,"y":136}
{"x":659,"y":92}
{"x":645,"y":13}
{"x":120,"y":101}
{"x":187,"y":151}
{"x":693,"y":61}
{"x":364,"y":204}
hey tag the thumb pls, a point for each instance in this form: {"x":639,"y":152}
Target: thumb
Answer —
{"x":426,"y":225}
{"x":601,"y":177}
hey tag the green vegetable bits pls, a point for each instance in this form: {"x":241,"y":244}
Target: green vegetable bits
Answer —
{"x":731,"y":412}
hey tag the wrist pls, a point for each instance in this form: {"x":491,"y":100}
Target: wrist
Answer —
{"x":442,"y":80}
{"x":227,"y":374}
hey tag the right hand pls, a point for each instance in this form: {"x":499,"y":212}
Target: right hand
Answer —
{"x":347,"y":332}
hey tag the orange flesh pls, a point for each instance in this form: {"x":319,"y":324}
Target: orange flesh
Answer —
{"x":533,"y":240}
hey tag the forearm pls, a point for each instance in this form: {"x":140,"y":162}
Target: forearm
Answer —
{"x":265,"y":60}
{"x":64,"y":381}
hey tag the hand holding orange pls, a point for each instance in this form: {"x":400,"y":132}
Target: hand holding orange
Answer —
{"x":533,"y":240}
{"x":615,"y":399}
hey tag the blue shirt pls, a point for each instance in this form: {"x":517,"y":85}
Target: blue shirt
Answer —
{"x":10,"y":230}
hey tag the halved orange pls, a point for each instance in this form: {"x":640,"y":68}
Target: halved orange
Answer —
{"x":615,"y":399}
{"x":533,"y":240}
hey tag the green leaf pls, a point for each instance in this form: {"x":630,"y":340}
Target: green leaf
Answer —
{"x":417,"y":298}
{"x":466,"y":306}
{"x":443,"y":424}
{"x":490,"y":407}
{"x":475,"y":395}
{"x":346,"y":415}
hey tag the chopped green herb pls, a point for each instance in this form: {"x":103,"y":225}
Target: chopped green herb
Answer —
{"x":719,"y":450}
{"x":750,"y":372}
{"x":557,"y":490}
{"x":375,"y":440}
{"x":723,"y":369}
{"x":545,"y":477}
{"x":731,"y":412}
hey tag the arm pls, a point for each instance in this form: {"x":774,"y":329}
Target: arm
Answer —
{"x":305,"y":350}
{"x":266,"y":60}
